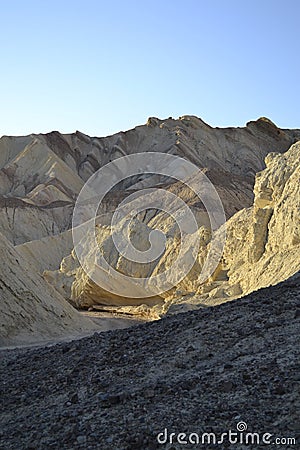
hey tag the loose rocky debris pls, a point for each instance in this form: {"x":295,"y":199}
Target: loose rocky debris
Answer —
{"x":199,"y":372}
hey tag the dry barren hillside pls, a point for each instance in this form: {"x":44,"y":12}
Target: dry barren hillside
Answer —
{"x":31,"y":310}
{"x":41,"y":176}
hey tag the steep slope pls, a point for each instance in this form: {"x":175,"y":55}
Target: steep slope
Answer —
{"x":47,"y":253}
{"x":31,"y":310}
{"x":273,"y":237}
{"x":21,"y":221}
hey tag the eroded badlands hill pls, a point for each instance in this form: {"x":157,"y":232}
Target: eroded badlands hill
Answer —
{"x":262,"y":248}
{"x":41,"y":176}
{"x":31,"y":311}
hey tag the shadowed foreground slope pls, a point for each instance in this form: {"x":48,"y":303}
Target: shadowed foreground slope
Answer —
{"x":199,"y":372}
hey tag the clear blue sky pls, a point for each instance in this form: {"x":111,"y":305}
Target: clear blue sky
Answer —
{"x":104,"y":66}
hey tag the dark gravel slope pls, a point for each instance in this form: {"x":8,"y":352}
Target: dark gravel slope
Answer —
{"x":200,"y":372}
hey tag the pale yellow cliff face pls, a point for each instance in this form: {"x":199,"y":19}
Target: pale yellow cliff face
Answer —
{"x":263,"y":242}
{"x":270,"y":252}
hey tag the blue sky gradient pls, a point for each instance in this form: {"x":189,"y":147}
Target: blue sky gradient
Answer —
{"x":104,"y":66}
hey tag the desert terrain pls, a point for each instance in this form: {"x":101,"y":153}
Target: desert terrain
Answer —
{"x":102,"y":365}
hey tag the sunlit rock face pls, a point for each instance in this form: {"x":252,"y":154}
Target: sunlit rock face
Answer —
{"x":272,"y":251}
{"x":262,"y":248}
{"x":263,"y":241}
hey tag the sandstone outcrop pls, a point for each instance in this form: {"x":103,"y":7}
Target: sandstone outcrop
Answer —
{"x":262,"y":242}
{"x":270,"y":252}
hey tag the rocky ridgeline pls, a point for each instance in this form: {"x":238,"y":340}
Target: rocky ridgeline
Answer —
{"x":41,"y":175}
